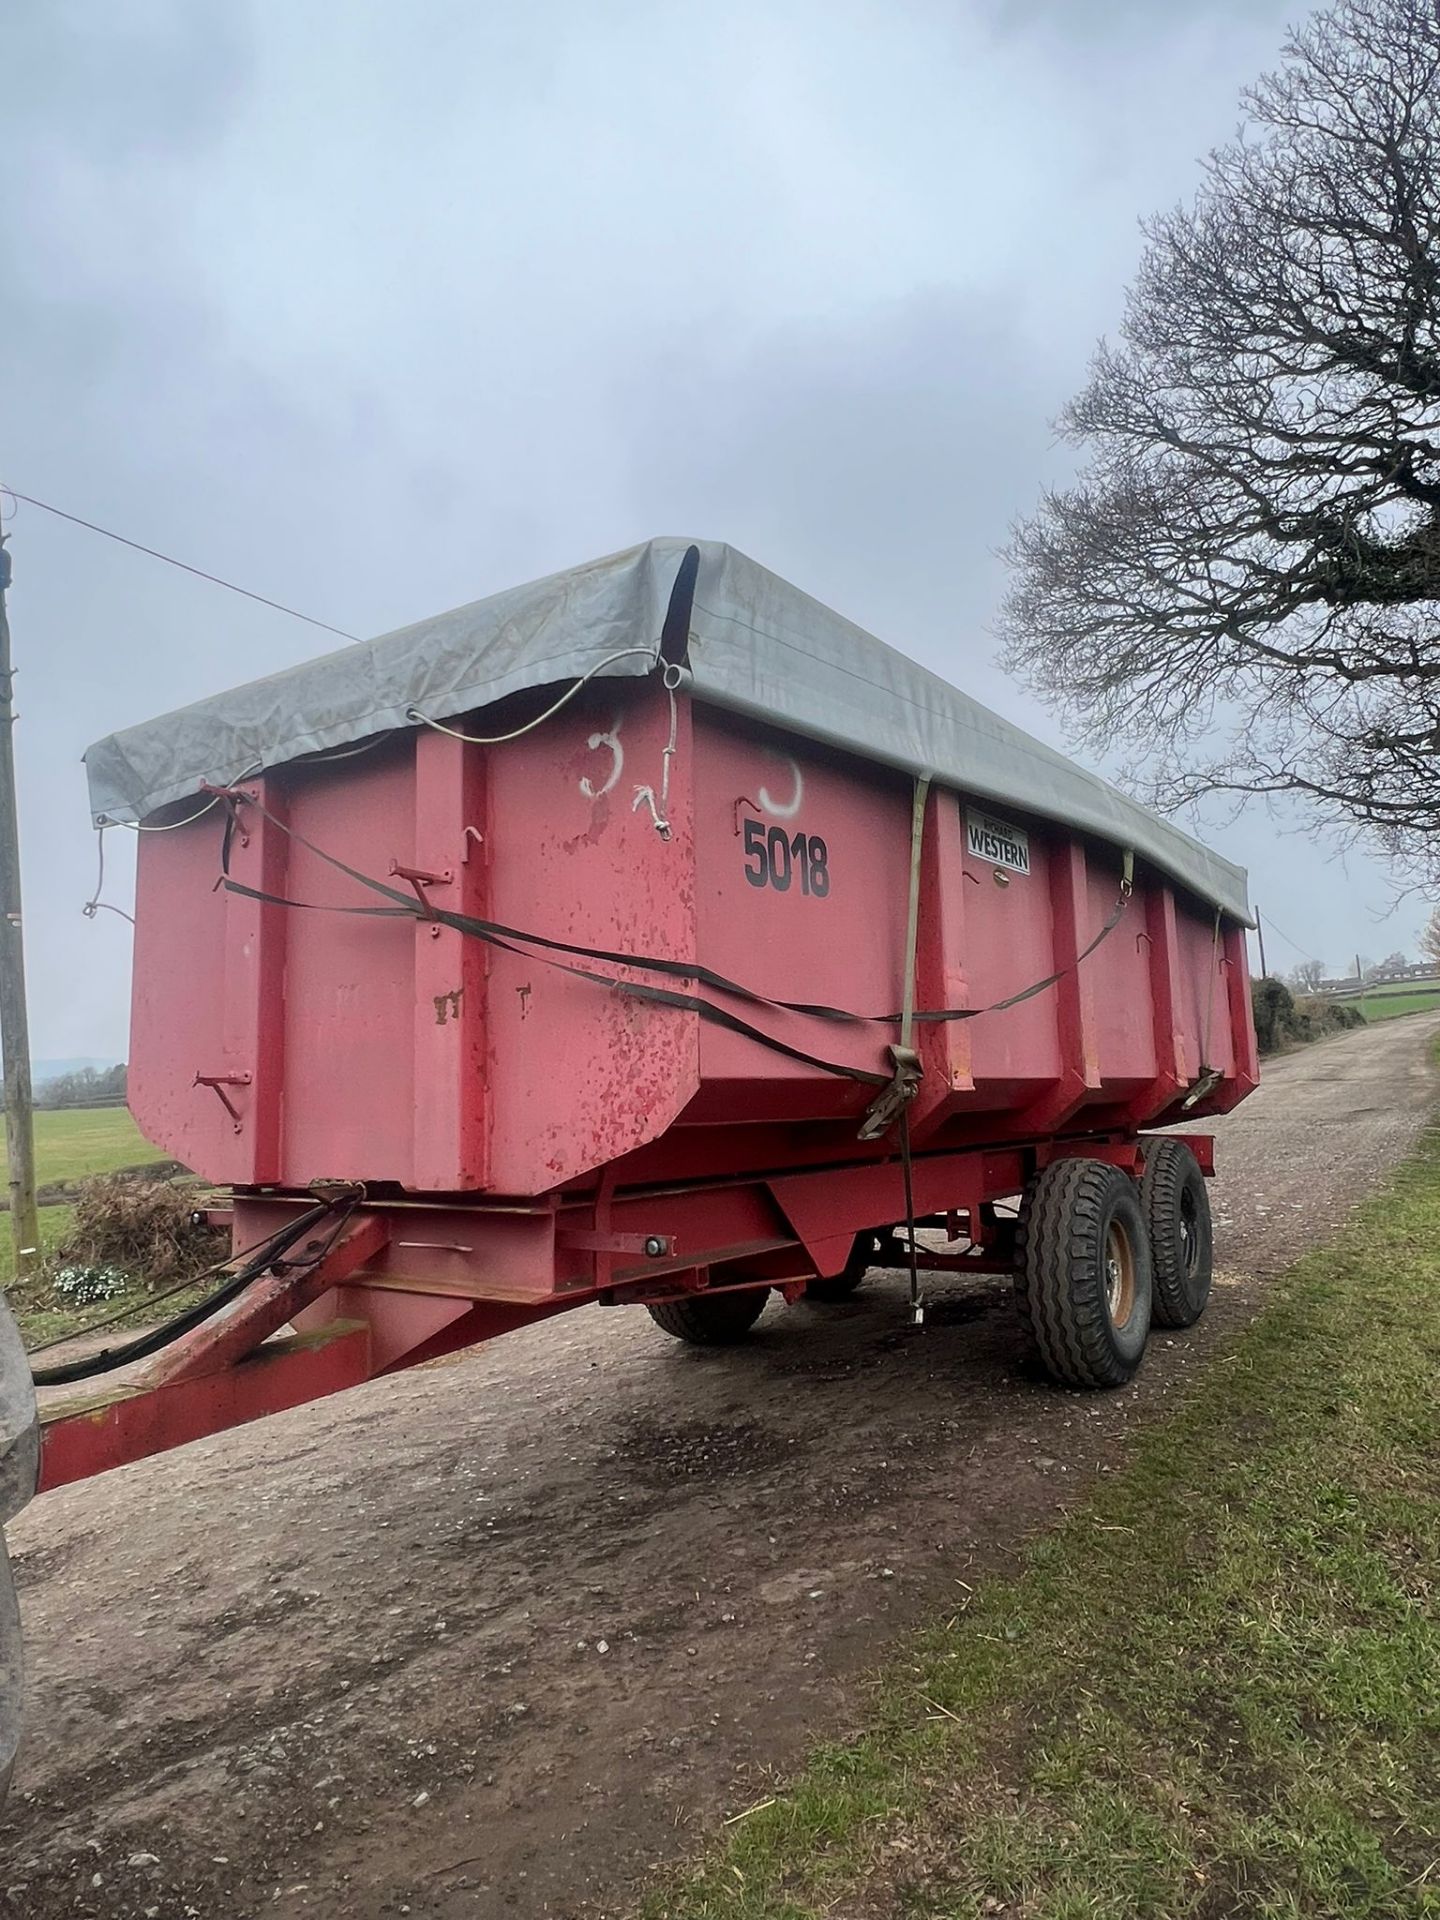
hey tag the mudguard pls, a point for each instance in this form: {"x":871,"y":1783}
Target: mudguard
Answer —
{"x":19,"y":1471}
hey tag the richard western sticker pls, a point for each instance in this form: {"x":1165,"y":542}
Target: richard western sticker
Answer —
{"x":997,"y":842}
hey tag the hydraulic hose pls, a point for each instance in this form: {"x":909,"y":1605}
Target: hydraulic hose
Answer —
{"x":259,"y":1260}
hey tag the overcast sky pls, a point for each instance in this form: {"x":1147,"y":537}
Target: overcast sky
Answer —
{"x":378,"y":309}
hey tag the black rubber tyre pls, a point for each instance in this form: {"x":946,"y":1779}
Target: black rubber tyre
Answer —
{"x":1083,"y":1279}
{"x":711,"y":1319}
{"x":1176,"y":1205}
{"x":864,"y":1254}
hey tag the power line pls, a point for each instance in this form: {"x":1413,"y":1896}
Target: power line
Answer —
{"x":1304,"y":955}
{"x":170,"y":560}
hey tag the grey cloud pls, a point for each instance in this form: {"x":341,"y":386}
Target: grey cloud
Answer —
{"x":123,"y":82}
{"x":1128,"y":22}
{"x":379,"y":309}
{"x":877,"y":462}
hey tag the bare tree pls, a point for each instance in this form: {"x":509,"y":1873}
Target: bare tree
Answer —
{"x":86,"y":1087}
{"x":1244,"y":582}
{"x":1306,"y":978}
{"x":1387,"y":968}
{"x":1430,"y":937}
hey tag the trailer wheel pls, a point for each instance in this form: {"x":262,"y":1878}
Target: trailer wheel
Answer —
{"x":1176,"y":1204}
{"x":1083,"y":1279}
{"x":867,"y":1252}
{"x":711,"y":1319}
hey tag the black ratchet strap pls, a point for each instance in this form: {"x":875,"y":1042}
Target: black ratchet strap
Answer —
{"x":517,"y":941}
{"x":505,"y":939}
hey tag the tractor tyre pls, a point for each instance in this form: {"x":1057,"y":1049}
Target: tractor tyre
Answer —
{"x":867,"y":1252}
{"x":711,"y":1319}
{"x":1083,"y":1279}
{"x":1176,"y":1204}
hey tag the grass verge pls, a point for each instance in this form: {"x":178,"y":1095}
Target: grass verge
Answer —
{"x":42,"y":1322}
{"x":38,"y":1313}
{"x":1213,"y":1691}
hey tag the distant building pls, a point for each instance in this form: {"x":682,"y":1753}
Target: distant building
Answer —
{"x":1422,"y":970}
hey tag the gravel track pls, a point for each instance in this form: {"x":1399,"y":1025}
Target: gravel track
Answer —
{"x":493,"y":1637}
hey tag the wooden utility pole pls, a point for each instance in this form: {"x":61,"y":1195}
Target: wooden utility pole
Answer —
{"x":1260,"y":935}
{"x":14,"y":1023}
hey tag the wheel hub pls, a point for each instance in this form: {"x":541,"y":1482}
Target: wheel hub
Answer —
{"x":1189,"y":1240}
{"x":1119,"y":1275}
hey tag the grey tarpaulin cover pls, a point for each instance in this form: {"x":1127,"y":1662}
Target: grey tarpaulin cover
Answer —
{"x":756,"y":645}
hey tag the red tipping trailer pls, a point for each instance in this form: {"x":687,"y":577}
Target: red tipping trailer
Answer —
{"x":648,"y":934}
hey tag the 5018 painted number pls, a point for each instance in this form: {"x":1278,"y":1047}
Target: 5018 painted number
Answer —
{"x":775,"y":858}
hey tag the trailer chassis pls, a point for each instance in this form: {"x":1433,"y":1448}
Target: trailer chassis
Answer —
{"x":413,"y":1279}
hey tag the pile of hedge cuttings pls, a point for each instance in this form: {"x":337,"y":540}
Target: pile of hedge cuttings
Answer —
{"x":147,"y":1229}
{"x":1282,"y":1021}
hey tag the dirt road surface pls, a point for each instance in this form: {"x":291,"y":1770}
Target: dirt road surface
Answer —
{"x":492,"y":1638}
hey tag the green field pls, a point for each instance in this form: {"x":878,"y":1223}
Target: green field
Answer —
{"x":72,"y":1143}
{"x":1213,"y":1690}
{"x":1384,"y":1003}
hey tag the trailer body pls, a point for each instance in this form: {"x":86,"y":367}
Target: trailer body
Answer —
{"x":597,"y":1012}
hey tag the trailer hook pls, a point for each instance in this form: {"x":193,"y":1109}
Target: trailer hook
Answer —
{"x":217,"y":1083}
